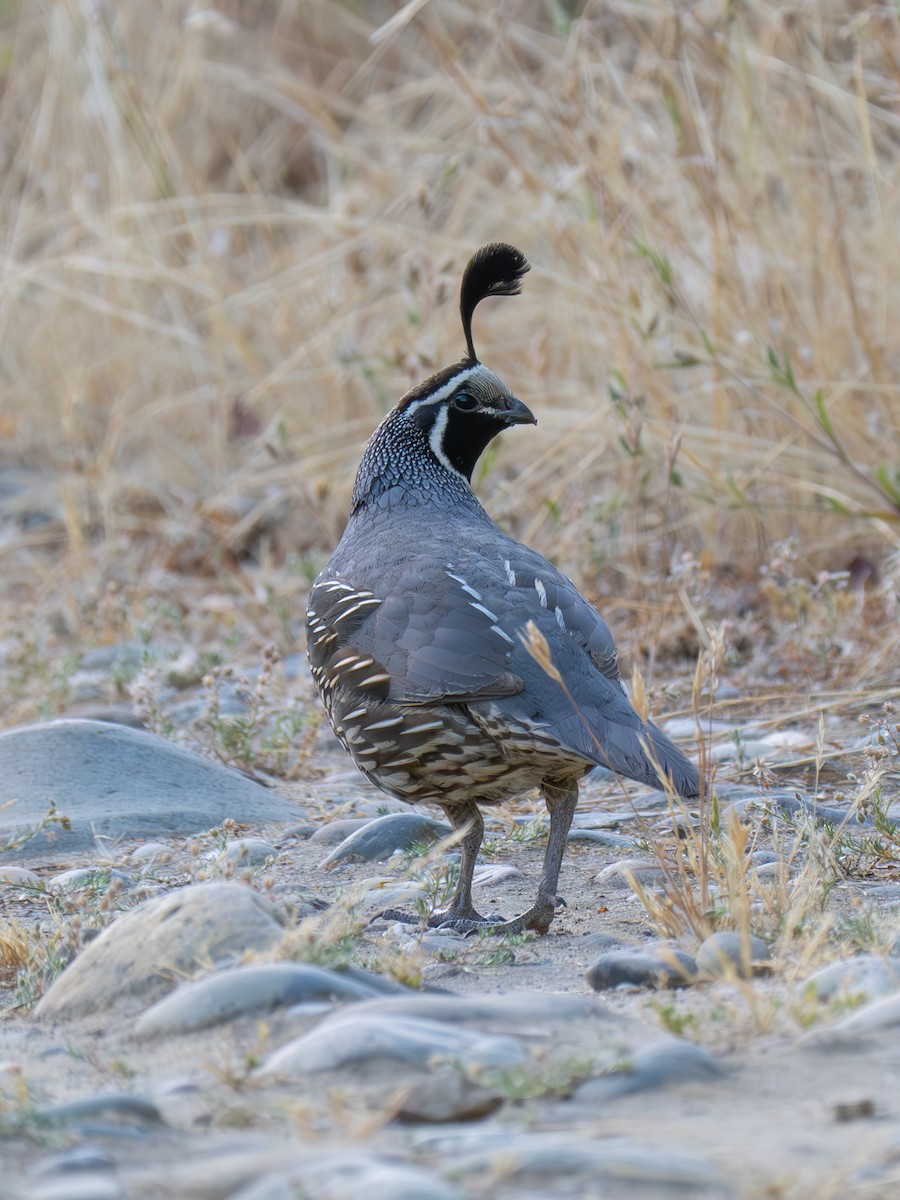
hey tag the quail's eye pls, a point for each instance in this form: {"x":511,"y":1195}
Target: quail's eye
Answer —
{"x":465,"y":402}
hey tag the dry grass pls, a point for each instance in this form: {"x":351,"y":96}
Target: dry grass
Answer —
{"x":233,"y":237}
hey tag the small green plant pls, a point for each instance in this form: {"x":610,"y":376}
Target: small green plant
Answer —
{"x":678,"y":1020}
{"x":553,"y":1077}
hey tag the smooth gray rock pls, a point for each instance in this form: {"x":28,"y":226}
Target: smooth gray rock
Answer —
{"x":381,"y":838}
{"x":334,"y":832}
{"x":601,"y":837}
{"x":874,"y":1017}
{"x":600,"y":941}
{"x":878,"y":891}
{"x":20,"y":877}
{"x":490,"y":873}
{"x":151,"y":852}
{"x":150,"y":947}
{"x":89,"y":1185}
{"x":354,"y":1037}
{"x":113,"y":781}
{"x":133,"y":1108}
{"x":302,"y":830}
{"x":726,"y":954}
{"x":81,"y":1157}
{"x":378,"y":894}
{"x":247,"y":852}
{"x":447,"y":1095}
{"x":652,"y":1067}
{"x":650,"y":967}
{"x":864,"y":975}
{"x":795,"y":806}
{"x":505,"y":1008}
{"x":352,"y":1173}
{"x":88,"y":879}
{"x":380,"y":985}
{"x":244,"y":990}
{"x":540,"y":1158}
{"x":618,"y":875}
{"x":600,"y":820}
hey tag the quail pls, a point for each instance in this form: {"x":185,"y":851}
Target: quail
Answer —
{"x":417,"y":631}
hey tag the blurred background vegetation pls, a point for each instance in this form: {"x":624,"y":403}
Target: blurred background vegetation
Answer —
{"x":233,"y":234}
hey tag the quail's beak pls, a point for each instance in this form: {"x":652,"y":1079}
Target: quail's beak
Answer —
{"x":518,"y":413}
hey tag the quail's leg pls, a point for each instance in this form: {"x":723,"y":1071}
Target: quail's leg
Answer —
{"x":561,"y":803}
{"x":461,"y":913}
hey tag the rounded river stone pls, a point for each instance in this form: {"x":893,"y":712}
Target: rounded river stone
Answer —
{"x":112,"y":781}
{"x":244,"y":990}
{"x":149,"y":947}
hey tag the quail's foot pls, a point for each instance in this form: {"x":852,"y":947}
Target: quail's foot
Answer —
{"x":538,"y":918}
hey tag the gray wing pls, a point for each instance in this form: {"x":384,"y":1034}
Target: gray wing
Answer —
{"x":427,"y":641}
{"x":453,"y":633}
{"x":592,"y":715}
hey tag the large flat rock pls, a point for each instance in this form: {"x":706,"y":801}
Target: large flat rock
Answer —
{"x":112,"y":781}
{"x":147,"y":950}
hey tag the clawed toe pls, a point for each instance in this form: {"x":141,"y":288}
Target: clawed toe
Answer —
{"x":538,"y":919}
{"x":462,"y":922}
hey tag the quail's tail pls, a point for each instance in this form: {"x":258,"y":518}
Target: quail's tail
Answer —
{"x":645,"y":754}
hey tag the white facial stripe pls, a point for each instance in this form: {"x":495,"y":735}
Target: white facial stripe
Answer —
{"x":436,"y":441}
{"x":447,"y":390}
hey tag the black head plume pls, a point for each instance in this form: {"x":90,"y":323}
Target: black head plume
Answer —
{"x":495,"y":270}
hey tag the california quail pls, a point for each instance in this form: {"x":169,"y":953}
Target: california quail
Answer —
{"x":415,"y":630}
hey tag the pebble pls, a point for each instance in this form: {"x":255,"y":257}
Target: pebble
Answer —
{"x":599,"y":940}
{"x":247,"y":852}
{"x":133,"y":1108}
{"x":354,"y":1037}
{"x":151,"y":852}
{"x":19,"y":877}
{"x":337,"y":831}
{"x":878,"y":891}
{"x":798,"y":805}
{"x":746,"y":750}
{"x":379,"y":839}
{"x":443,"y":943}
{"x":303,"y":830}
{"x":382,"y":893}
{"x":447,"y":1095}
{"x":599,"y":820}
{"x":651,"y":967}
{"x":726,"y":954}
{"x":616,"y":875}
{"x":685,"y":728}
{"x":89,"y":879}
{"x":600,"y":837}
{"x":765,"y":858}
{"x":115,"y":782}
{"x":652,"y":1067}
{"x":491,"y":873}
{"x":864,"y":975}
{"x":149,"y":947}
{"x":245,"y":990}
